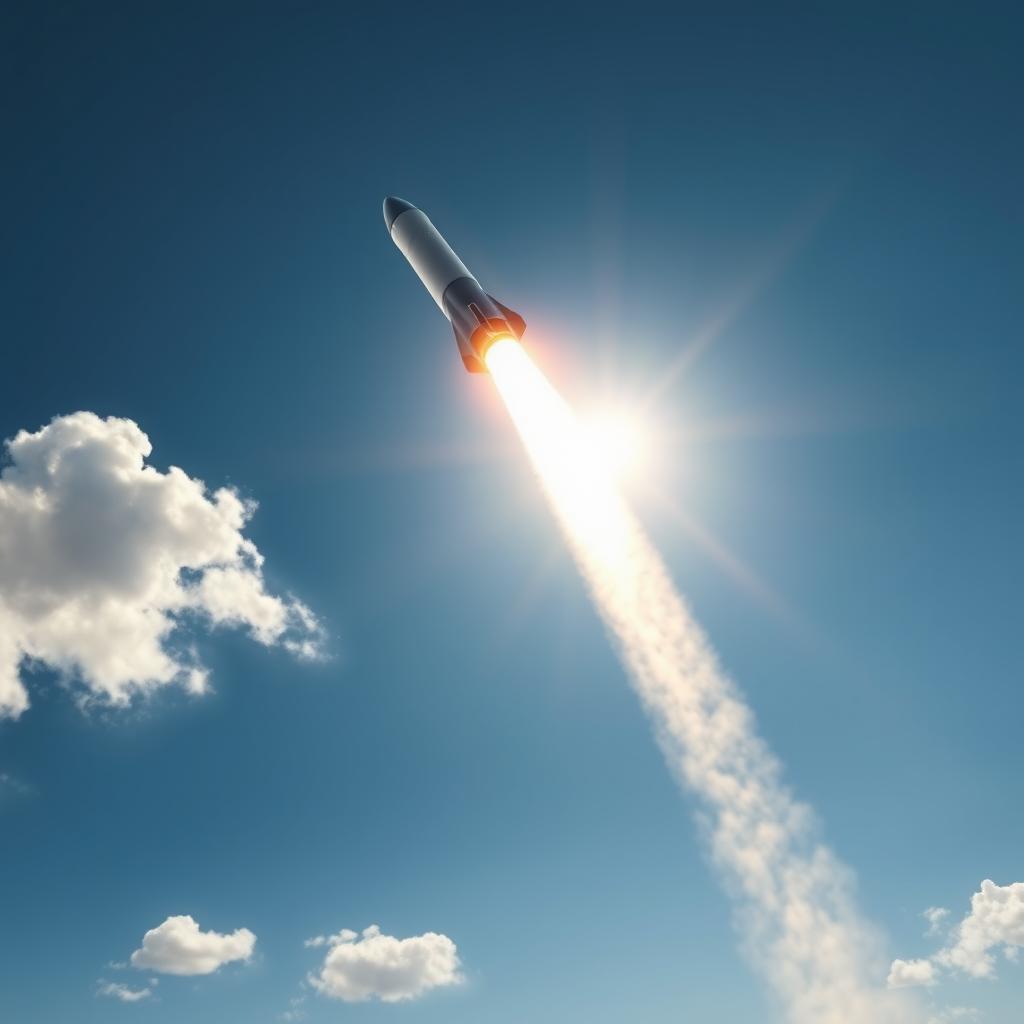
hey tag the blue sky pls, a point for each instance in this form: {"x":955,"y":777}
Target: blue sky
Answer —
{"x":192,"y":208}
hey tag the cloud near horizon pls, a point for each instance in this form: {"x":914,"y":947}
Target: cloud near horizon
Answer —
{"x":104,"y":560}
{"x":378,"y":966}
{"x":178,"y":946}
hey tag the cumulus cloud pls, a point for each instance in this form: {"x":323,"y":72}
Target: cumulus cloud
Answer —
{"x":908,"y":973}
{"x":115,"y":990}
{"x":378,"y":966}
{"x":104,"y":560}
{"x":178,"y":946}
{"x":996,"y":921}
{"x":995,"y":924}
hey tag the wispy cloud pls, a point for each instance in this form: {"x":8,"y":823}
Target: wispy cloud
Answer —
{"x":296,"y":1010}
{"x":11,"y":786}
{"x":115,"y":990}
{"x":955,"y":1015}
{"x":936,"y":918}
{"x":345,"y":935}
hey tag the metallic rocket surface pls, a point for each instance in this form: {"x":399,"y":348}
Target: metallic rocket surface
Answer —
{"x":477,"y":318}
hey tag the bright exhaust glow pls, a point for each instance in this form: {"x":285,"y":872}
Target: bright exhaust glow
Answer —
{"x":568,"y":463}
{"x":796,"y":916}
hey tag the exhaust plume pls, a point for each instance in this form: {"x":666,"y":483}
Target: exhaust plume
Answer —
{"x":793,"y":898}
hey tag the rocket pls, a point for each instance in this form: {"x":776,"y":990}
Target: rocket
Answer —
{"x":478,"y":319}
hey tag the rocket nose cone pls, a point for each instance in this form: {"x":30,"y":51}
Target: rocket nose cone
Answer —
{"x":393,"y":206}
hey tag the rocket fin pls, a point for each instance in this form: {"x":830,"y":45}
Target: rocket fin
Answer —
{"x":515,"y":321}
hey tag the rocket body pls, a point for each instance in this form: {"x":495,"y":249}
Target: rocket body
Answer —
{"x":477,"y":318}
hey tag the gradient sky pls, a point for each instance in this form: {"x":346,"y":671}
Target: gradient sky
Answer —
{"x":791,"y":239}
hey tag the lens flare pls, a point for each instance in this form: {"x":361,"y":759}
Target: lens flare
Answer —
{"x":800,"y":927}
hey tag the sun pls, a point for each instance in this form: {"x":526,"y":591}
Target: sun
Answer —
{"x":622,"y":440}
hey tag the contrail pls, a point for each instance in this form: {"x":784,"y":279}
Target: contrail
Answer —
{"x":795,"y":910}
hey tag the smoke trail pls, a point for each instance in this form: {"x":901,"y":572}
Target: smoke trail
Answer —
{"x":795,"y":910}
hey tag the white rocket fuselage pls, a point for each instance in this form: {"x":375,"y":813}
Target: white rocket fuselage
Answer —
{"x":477,"y":318}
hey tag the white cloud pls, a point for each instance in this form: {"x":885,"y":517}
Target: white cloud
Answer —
{"x":908,"y":973}
{"x":995,"y":924}
{"x":345,"y":935}
{"x":103,"y":558}
{"x":115,"y":990}
{"x":179,"y":947}
{"x":383,"y":967}
{"x":996,"y":920}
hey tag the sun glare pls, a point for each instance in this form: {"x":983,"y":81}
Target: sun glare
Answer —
{"x":621,"y":441}
{"x":575,"y":468}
